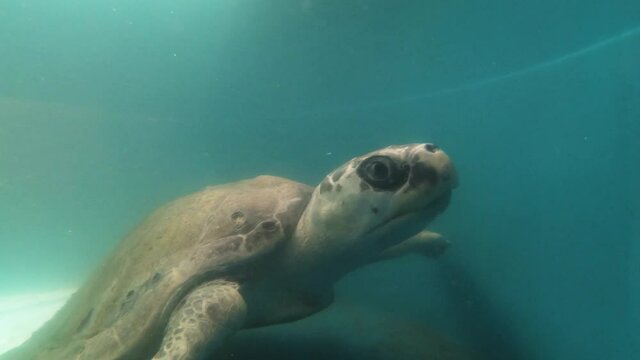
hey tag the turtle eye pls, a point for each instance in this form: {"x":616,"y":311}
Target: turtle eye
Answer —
{"x":382,"y":173}
{"x":378,"y":170}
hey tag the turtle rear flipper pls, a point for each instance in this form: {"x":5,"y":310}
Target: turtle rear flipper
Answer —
{"x":206,"y":317}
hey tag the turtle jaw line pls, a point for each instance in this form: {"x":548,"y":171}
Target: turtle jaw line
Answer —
{"x":398,"y":218}
{"x":425,"y":213}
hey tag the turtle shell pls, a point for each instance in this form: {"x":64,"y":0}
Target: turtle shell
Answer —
{"x":224,"y":231}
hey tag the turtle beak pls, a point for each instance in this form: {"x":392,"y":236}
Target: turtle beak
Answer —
{"x":447,"y":170}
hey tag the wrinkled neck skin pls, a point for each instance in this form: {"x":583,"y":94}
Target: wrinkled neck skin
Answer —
{"x":324,"y":248}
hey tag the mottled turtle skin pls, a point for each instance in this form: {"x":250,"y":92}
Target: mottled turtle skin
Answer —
{"x":247,"y":254}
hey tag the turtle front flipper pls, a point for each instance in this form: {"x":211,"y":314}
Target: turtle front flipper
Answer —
{"x":206,"y":317}
{"x":425,"y":243}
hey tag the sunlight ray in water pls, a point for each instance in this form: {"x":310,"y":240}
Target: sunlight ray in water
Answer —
{"x":625,"y":35}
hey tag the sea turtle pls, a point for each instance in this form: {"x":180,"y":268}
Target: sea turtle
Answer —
{"x":247,"y":254}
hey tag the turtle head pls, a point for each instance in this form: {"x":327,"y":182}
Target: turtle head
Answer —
{"x":377,"y":200}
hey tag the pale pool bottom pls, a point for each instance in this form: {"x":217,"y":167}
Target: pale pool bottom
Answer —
{"x":22,"y":314}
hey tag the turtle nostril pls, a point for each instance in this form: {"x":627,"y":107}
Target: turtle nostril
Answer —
{"x":431,"y":147}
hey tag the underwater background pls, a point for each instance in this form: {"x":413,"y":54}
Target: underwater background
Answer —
{"x":109,"y":109}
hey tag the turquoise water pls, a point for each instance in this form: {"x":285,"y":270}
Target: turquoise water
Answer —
{"x":109,"y":109}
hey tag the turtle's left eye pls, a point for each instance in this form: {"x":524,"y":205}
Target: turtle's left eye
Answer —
{"x":382,"y":173}
{"x":378,"y":170}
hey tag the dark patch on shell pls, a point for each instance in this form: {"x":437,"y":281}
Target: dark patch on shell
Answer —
{"x":128,"y":302}
{"x":132,"y":295}
{"x":156,"y":277}
{"x":85,"y":321}
{"x":150,"y":282}
{"x":338,"y":187}
{"x":269,"y":225}
{"x":325,"y":186}
{"x":266,"y":231}
{"x":374,"y":210}
{"x":364,"y":186}
{"x":232,"y":244}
